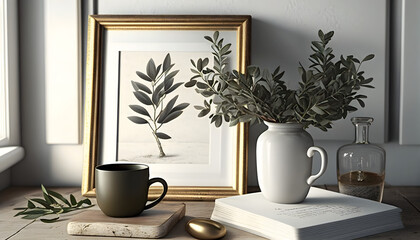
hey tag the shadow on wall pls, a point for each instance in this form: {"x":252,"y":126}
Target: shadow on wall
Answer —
{"x":279,"y":45}
{"x":254,"y":132}
{"x":38,"y":163}
{"x":275,"y":44}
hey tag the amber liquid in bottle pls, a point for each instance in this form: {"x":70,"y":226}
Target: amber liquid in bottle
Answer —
{"x":370,"y":187}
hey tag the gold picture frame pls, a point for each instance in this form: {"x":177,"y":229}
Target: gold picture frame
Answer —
{"x":98,"y":25}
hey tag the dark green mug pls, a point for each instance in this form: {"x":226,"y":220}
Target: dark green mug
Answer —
{"x":122,"y":189}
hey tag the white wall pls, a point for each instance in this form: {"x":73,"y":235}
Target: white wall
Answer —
{"x":5,"y":179}
{"x":47,"y":164}
{"x":278,"y":27}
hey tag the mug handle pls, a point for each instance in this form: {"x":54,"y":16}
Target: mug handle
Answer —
{"x":324,"y":161}
{"x":165,"y":190}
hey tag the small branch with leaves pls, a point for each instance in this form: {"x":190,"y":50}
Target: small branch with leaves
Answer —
{"x":325,"y":91}
{"x":53,"y":203}
{"x":161,"y":81}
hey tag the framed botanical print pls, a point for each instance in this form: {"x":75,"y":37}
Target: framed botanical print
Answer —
{"x":138,"y":109}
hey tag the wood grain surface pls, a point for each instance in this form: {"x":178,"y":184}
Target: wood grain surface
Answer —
{"x":407,"y":198}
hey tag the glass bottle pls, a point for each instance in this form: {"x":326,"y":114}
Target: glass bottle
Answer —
{"x":361,"y":165}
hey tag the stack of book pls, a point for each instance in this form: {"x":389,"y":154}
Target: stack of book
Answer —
{"x":323,"y":215}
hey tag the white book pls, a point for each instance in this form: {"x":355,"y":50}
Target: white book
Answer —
{"x":323,"y":215}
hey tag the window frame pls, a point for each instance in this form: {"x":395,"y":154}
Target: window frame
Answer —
{"x":10,"y":151}
{"x":9,"y":74}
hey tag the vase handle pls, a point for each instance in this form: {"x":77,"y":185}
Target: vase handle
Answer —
{"x":324,"y":161}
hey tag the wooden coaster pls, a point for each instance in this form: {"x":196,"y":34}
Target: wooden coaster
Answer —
{"x":152,"y":223}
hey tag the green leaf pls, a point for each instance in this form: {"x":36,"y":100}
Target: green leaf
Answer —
{"x":200,"y":65}
{"x":32,"y":216}
{"x":151,"y":69}
{"x":318,"y":46}
{"x":233,"y":122}
{"x":166,"y":63}
{"x":37,"y":211}
{"x":159,"y":87}
{"x":368,"y":57}
{"x":362,"y":104}
{"x":191,"y":83}
{"x":351,"y":108}
{"x":167,"y":109}
{"x":207,"y":93}
{"x":168,"y":83}
{"x":59,"y":196}
{"x":137,"y":120}
{"x":218,"y":121}
{"x":139,"y":109}
{"x":51,"y":205}
{"x":51,"y":220}
{"x":321,"y":34}
{"x":171,"y":75}
{"x":220,"y":43}
{"x":171,"y":117}
{"x":225,"y":49}
{"x":143,"y":98}
{"x":206,"y":104}
{"x":201,"y":85}
{"x":42,"y":202}
{"x":44,"y":190}
{"x":84,"y":201}
{"x":317,"y":110}
{"x":49,"y":199}
{"x":73,"y":200}
{"x":215,"y":35}
{"x":20,"y":213}
{"x":181,"y":106}
{"x":329,"y":35}
{"x":193,"y":63}
{"x":138,"y":86}
{"x":205,"y":62}
{"x":144,"y":76}
{"x":30,"y":204}
{"x":162,"y":135}
{"x":157,"y":95}
{"x":208,"y":39}
{"x":158,"y":69}
{"x":204,"y":112}
{"x":366,"y":81}
{"x":173,"y":88}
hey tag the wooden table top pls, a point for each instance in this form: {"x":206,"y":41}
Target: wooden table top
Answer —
{"x":407,"y":198}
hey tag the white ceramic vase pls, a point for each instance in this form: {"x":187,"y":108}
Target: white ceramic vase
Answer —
{"x":284,"y":162}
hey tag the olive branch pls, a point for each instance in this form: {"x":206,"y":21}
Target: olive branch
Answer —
{"x":53,"y":204}
{"x":161,"y":81}
{"x":325,"y":92}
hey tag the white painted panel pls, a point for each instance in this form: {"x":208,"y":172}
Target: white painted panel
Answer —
{"x":62,"y":71}
{"x":410,"y":73}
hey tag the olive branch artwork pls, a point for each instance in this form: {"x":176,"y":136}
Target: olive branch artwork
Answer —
{"x":161,"y":82}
